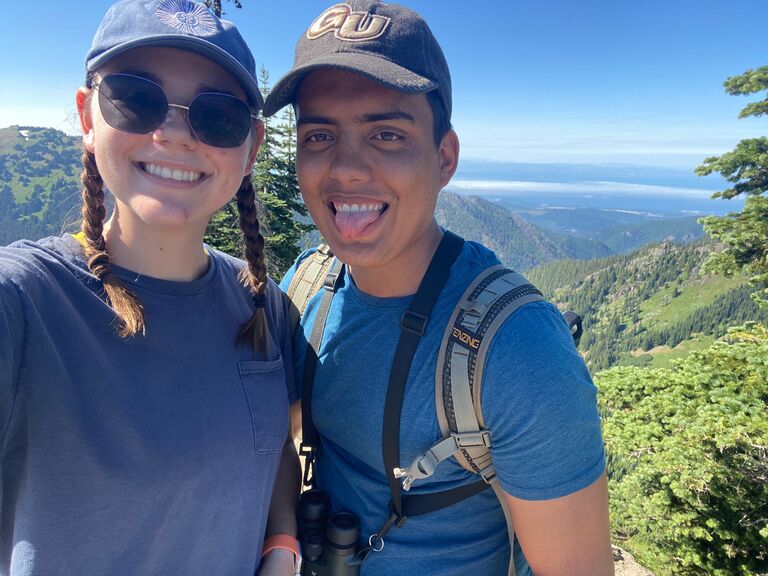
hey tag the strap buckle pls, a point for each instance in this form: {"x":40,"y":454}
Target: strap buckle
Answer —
{"x":414,"y":322}
{"x":330,"y":281}
{"x":424,"y":466}
{"x":308,"y":452}
{"x":473,"y":439}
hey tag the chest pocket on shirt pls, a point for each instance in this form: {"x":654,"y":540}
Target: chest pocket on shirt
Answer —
{"x":264,"y":385}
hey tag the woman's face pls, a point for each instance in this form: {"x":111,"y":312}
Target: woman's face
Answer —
{"x":166,"y":178}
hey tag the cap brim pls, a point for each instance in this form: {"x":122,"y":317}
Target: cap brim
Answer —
{"x":378,"y":69}
{"x":191,"y":44}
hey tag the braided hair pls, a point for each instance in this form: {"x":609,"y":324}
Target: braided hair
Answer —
{"x":127,"y":306}
{"x":254,"y":275}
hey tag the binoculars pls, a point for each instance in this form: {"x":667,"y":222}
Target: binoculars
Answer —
{"x":328,"y":541}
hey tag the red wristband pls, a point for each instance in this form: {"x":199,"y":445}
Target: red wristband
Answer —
{"x":282,"y":542}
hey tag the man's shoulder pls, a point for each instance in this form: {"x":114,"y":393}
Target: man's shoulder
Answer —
{"x":478,"y":255}
{"x":291,"y":272}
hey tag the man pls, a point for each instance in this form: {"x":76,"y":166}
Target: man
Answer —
{"x":372,"y":94}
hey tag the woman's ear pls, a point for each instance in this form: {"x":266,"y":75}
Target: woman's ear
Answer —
{"x":258,"y":138}
{"x":82,"y":100}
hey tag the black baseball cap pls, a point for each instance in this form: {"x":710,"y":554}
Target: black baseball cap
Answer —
{"x":388,"y":43}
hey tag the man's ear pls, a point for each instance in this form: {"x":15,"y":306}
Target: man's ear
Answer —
{"x":82,"y":100}
{"x":449,"y":157}
{"x":258,"y":138}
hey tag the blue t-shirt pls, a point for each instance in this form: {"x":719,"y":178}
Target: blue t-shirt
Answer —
{"x":538,"y":401}
{"x":155,"y":454}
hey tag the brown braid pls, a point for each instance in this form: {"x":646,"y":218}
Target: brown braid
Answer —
{"x":253,"y":276}
{"x":125,"y":303}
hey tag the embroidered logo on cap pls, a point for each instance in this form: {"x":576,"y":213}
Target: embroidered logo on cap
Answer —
{"x":186,"y":17}
{"x":348,"y":25}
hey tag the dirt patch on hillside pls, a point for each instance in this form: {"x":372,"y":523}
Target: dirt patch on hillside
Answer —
{"x":625,"y":565}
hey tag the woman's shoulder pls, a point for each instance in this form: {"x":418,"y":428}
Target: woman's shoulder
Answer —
{"x":232,"y":266}
{"x":26,"y":260}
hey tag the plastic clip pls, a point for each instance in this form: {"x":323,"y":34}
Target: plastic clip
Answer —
{"x":309,"y":464}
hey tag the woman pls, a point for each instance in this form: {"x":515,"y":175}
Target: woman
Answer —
{"x":144,"y":390}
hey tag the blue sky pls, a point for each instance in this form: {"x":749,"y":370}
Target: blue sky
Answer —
{"x":589,"y":81}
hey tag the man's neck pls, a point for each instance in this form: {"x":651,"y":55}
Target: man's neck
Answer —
{"x":402,"y":275}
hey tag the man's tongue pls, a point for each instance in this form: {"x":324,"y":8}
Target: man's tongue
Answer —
{"x":351,"y":224}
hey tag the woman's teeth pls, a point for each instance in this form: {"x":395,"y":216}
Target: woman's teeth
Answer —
{"x":180,"y":175}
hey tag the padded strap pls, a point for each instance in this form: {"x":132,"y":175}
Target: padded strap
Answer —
{"x":499,"y":491}
{"x":494,"y":295}
{"x":486,"y":303}
{"x":307,"y":281}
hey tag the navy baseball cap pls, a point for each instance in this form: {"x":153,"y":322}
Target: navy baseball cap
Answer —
{"x":182,"y":24}
{"x":388,"y":43}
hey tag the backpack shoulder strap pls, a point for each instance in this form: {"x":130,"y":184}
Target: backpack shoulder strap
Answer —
{"x":486,"y":304}
{"x":491,"y":298}
{"x":488,"y":301}
{"x":494,"y":295}
{"x":307,"y":281}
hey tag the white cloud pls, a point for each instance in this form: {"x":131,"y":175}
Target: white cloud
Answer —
{"x":595,"y":187}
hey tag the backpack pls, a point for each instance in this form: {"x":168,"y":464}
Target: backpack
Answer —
{"x":490,"y":299}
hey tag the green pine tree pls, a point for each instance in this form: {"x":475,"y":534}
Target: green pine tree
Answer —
{"x":215,"y":6}
{"x":277,"y":187}
{"x":282,"y":213}
{"x":745,"y":234}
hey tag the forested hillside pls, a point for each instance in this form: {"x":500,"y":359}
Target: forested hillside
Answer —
{"x":628,"y":237}
{"x":651,"y":300}
{"x":619,"y":230}
{"x":39,"y":182}
{"x":688,"y":458}
{"x":518,"y":243}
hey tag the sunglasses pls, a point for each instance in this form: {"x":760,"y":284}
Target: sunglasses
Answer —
{"x":139,"y":106}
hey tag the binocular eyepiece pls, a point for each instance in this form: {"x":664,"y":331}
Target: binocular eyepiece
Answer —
{"x":328,"y":541}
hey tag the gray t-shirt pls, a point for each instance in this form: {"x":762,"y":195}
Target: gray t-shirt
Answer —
{"x":155,"y":454}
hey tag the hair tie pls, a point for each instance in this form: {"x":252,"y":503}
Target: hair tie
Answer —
{"x":259,"y":300}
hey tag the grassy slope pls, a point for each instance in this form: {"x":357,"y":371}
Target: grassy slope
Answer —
{"x":663,"y":309}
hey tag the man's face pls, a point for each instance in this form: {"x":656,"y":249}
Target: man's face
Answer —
{"x":369,"y":169}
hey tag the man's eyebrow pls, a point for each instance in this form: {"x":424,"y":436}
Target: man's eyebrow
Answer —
{"x":312,"y":120}
{"x":363,"y":119}
{"x":382,"y":116}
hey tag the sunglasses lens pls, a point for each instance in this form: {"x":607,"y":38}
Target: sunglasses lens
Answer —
{"x":220,"y":120}
{"x":132,"y":104}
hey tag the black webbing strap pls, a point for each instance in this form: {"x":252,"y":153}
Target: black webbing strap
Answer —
{"x":423,"y":503}
{"x":310,"y":439}
{"x":412,"y":327}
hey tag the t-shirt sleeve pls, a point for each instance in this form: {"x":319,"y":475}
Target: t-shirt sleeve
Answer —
{"x":11,"y":342}
{"x":540,"y":405}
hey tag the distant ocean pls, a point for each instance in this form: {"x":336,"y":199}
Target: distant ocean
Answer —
{"x":662,"y":192}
